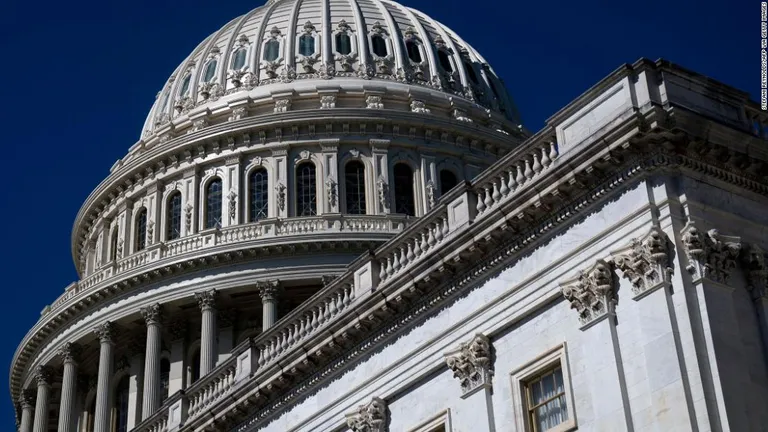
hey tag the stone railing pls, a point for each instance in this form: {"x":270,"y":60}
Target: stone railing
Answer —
{"x":211,"y":387}
{"x":412,"y":248}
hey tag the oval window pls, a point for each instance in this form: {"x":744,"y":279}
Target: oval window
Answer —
{"x":343,"y":44}
{"x":379,"y":46}
{"x":210,"y":71}
{"x":238,"y":60}
{"x":271,"y":50}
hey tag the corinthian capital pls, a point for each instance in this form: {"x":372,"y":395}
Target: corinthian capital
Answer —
{"x":592,"y":293}
{"x":152,"y":314}
{"x":70,"y":352}
{"x":371,"y":417}
{"x":27,"y":399}
{"x":206,"y":299}
{"x":646,"y":262}
{"x":471,"y":363}
{"x":43,"y":375}
{"x":711,"y":255}
{"x":106,"y":332}
{"x":268,"y":289}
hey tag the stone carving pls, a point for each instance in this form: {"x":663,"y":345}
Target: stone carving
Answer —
{"x":27,"y":399}
{"x":355,"y":153}
{"x":592,"y":293}
{"x":710,"y":255}
{"x":753,"y":260}
{"x":184,"y":104}
{"x":198,"y":125}
{"x":431,"y":189}
{"x":210,"y":90}
{"x":270,"y":68}
{"x":646,"y":262}
{"x":280,"y":189}
{"x":371,"y":417}
{"x":330,"y":185}
{"x":70,"y":352}
{"x":188,"y":217}
{"x":268,"y":289}
{"x":328,"y":102}
{"x":471,"y":363}
{"x":150,"y":232}
{"x":120,"y":244}
{"x":374,"y":102}
{"x":206,"y":299}
{"x":308,"y":63}
{"x":152,"y":314}
{"x":327,"y":70}
{"x":232,"y":197}
{"x":419,"y":107}
{"x":461,"y":115}
{"x":383,"y":188}
{"x":105,"y":332}
{"x":282,"y":105}
{"x":346,"y":61}
{"x":236,"y":76}
{"x":43,"y":375}
{"x":238,"y":114}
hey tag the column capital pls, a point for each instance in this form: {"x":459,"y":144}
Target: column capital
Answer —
{"x":206,"y":299}
{"x":268,"y":289}
{"x":152,"y":314}
{"x":592,"y":293}
{"x":106,"y":332}
{"x":471,"y":363}
{"x":70,"y":352}
{"x":43,"y":375}
{"x":27,"y":399}
{"x":711,"y":255}
{"x":753,"y":260}
{"x":371,"y":417}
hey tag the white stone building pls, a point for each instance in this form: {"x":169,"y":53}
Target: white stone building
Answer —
{"x":334,"y":221}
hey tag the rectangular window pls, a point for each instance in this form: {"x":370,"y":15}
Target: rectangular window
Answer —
{"x":546,"y":402}
{"x":439,"y":423}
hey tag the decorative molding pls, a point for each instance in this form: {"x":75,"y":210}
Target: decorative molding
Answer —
{"x":374,"y":102}
{"x":711,"y":255}
{"x":592,"y":293}
{"x":471,"y":364}
{"x":431,"y":193}
{"x":328,"y":102}
{"x":232,"y":199}
{"x":280,"y":189}
{"x":282,"y":105}
{"x":371,"y":417}
{"x":419,"y":107}
{"x":206,"y":299}
{"x":646,"y":262}
{"x":330,"y":185}
{"x":383,"y":189}
{"x":152,"y":314}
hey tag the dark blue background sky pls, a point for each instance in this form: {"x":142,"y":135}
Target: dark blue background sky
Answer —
{"x":78,"y":77}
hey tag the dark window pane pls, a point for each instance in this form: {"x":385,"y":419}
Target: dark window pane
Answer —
{"x":379,"y":45}
{"x":306,"y":193}
{"x":404,"y":200}
{"x":354,"y":174}
{"x":113,"y":245}
{"x":447,"y":181}
{"x":121,"y":405}
{"x":210,"y":71}
{"x":195,"y":366}
{"x":259,"y":195}
{"x":185,"y":86}
{"x":445,"y":62}
{"x":238,"y":60}
{"x":165,"y":373}
{"x":343,"y":44}
{"x":271,"y":50}
{"x":174,"y":216}
{"x":306,"y":45}
{"x":141,"y":230}
{"x":213,"y":204}
{"x":414,"y":53}
{"x":471,"y":72}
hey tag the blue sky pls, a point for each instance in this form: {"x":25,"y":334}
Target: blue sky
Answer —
{"x":79,"y":77}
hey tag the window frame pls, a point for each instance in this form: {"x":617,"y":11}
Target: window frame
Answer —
{"x":186,"y":81}
{"x":297,"y":194}
{"x":233,"y":57}
{"x":395,"y":187}
{"x":250,"y":174}
{"x":206,"y":207}
{"x":205,"y":70}
{"x":364,"y":188}
{"x":431,"y":425}
{"x":419,"y":48}
{"x":140,"y":235}
{"x":539,"y":366}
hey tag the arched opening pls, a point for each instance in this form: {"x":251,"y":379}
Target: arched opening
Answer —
{"x":445,"y":61}
{"x":405,"y":202}
{"x":141,"y":229}
{"x":213,"y":198}
{"x":354,"y":182}
{"x":306,"y":190}
{"x":271,"y":50}
{"x":306,"y":45}
{"x":258,"y":187}
{"x":471,"y":72}
{"x":184,"y":91}
{"x":238,"y":58}
{"x":210,"y":71}
{"x":120,"y":411}
{"x":113,"y":244}
{"x":165,"y":375}
{"x":414,"y":52}
{"x":173,"y":214}
{"x":448,"y":181}
{"x":343,"y":44}
{"x":379,"y":45}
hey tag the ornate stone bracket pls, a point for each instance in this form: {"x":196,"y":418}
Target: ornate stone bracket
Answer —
{"x":646,"y":262}
{"x":710,"y":255}
{"x":592,"y":293}
{"x":471,"y":364}
{"x":371,"y":417}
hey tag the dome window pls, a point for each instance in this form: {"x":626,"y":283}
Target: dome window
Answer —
{"x":173,"y":212}
{"x":185,"y":86}
{"x":343,"y":44}
{"x":354,"y":177}
{"x":471,"y":72}
{"x":238,"y":59}
{"x":213,"y":199}
{"x":306,"y":45}
{"x":414,"y":52}
{"x":141,"y":230}
{"x":272,"y":50}
{"x":259,"y":194}
{"x":379,"y":45}
{"x":306,"y":190}
{"x":405,"y":202}
{"x":210,"y":71}
{"x":445,"y":61}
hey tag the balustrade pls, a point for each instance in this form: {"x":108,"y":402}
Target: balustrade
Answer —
{"x":416,"y":246}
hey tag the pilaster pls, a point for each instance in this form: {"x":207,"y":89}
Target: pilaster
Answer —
{"x":330,"y":175}
{"x":278,"y":204}
{"x":380,"y":162}
{"x":231,"y":209}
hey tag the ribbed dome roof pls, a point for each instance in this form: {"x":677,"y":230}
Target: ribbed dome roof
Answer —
{"x":345,"y":41}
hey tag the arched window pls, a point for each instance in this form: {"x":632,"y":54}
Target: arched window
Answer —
{"x":173,"y":215}
{"x":213,"y":204}
{"x":165,"y":374}
{"x":120,"y":417}
{"x":271,"y":50}
{"x":238,"y":59}
{"x":113,"y":245}
{"x":447,"y":181}
{"x":404,"y":199}
{"x":184,"y":91}
{"x":306,"y":190}
{"x":306,"y":45}
{"x":471,"y":72}
{"x":141,"y":229}
{"x":414,"y":52}
{"x":258,"y":188}
{"x":379,"y":45}
{"x":354,"y":178}
{"x":210,"y":71}
{"x":445,"y":61}
{"x":343,"y":44}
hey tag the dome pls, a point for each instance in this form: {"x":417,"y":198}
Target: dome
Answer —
{"x":347,"y":44}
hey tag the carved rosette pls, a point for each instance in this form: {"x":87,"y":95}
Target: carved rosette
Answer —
{"x":43,"y":376}
{"x":646,"y":262}
{"x":152,"y":314}
{"x":106,"y":332}
{"x":371,"y":417}
{"x":70,"y":352}
{"x":592,"y":293}
{"x":206,"y":299}
{"x":471,"y":364}
{"x":753,"y":260}
{"x":711,"y":255}
{"x":268,"y":290}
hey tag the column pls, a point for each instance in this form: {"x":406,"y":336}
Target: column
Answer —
{"x":106,"y":334}
{"x":177,"y":377}
{"x":268,"y":293}
{"x":69,"y":355}
{"x":208,"y":335}
{"x":27,"y":410}
{"x":152,"y":315}
{"x":43,"y":378}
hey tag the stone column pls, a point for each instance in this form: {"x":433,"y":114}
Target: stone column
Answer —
{"x":27,"y":410}
{"x":69,"y":355}
{"x":268,"y":293}
{"x":106,"y":334}
{"x":208,"y":334}
{"x":152,"y":315}
{"x":471,"y":364}
{"x":43,"y":378}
